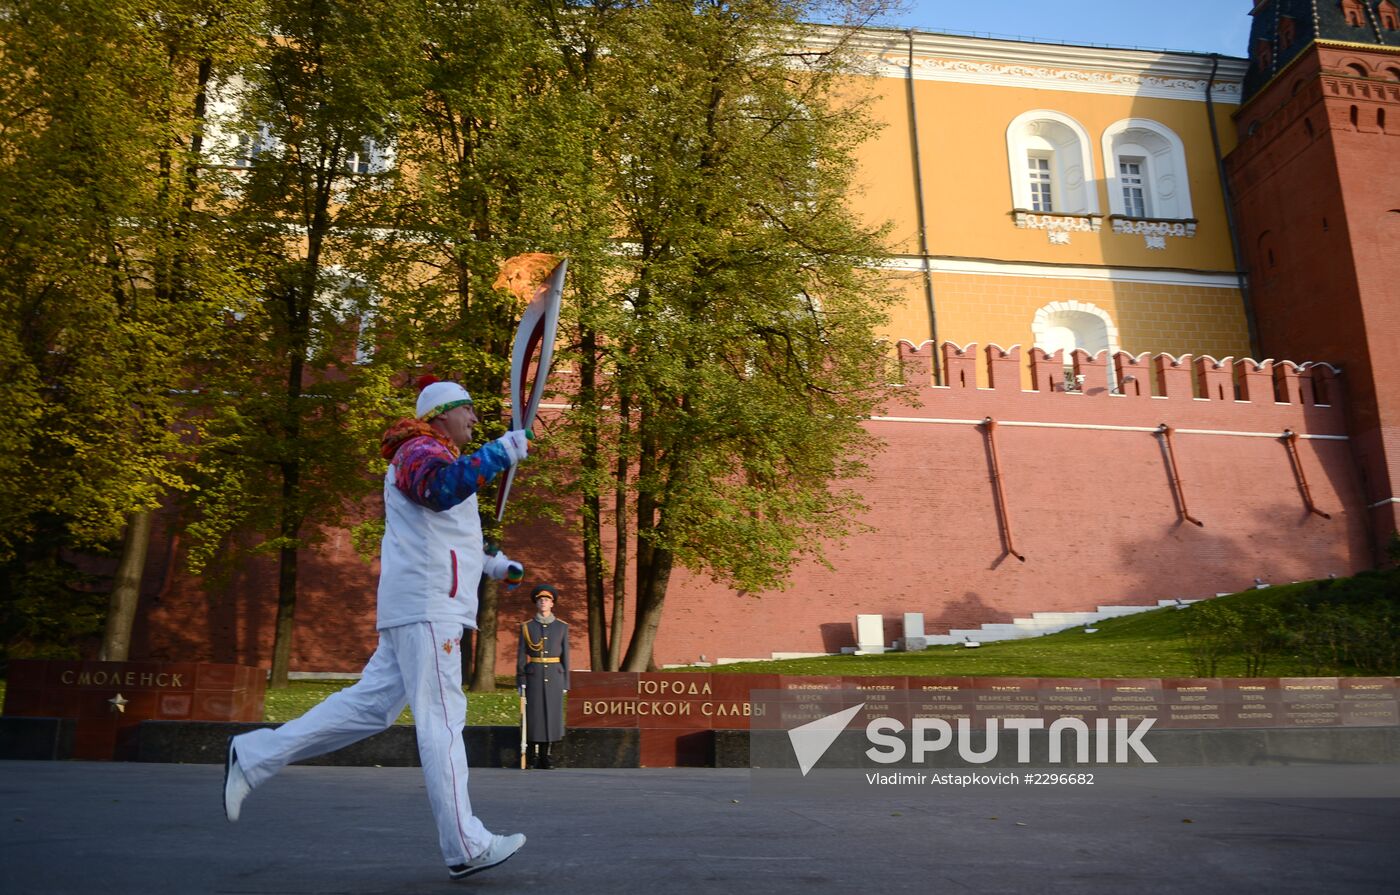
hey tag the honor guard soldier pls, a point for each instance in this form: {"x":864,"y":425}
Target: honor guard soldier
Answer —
{"x":542,"y":675}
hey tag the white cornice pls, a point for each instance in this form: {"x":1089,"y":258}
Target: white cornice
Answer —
{"x":1221,"y":280}
{"x":1007,"y":63}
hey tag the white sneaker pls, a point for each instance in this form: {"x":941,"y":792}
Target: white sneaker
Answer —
{"x":236,"y":786}
{"x":501,"y":848}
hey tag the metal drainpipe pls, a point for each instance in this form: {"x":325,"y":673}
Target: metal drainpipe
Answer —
{"x":1166,"y":432}
{"x":919,"y":203}
{"x":989,"y":425}
{"x":1230,"y":223}
{"x":1290,"y":441}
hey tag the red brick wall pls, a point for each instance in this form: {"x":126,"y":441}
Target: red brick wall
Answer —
{"x":1316,"y":183}
{"x":1088,"y":496}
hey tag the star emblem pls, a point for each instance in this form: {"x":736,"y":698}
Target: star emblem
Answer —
{"x":118,"y":703}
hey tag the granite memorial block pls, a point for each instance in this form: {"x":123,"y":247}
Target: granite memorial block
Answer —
{"x":870,"y":634}
{"x":730,"y":706}
{"x":1005,"y":697}
{"x":1309,"y":702}
{"x":945,"y":698}
{"x":806,"y":698}
{"x":1192,"y":703}
{"x":914,"y":638}
{"x":1135,"y":699}
{"x":883,"y":697}
{"x":1251,"y":702}
{"x":672,"y":701}
{"x":602,"y":699}
{"x":1069,"y":697}
{"x":1369,"y":701}
{"x":676,"y":748}
{"x":109,"y":700}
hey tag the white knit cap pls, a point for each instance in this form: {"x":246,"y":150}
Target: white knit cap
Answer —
{"x":439,"y":397}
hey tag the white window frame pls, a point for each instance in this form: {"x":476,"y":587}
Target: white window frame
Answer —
{"x":370,"y":158}
{"x":1041,"y":177}
{"x":1141,"y":185}
{"x":1073,"y":174}
{"x":1166,"y":178}
{"x":1073,"y":315}
{"x":333,"y":283}
{"x":252,"y":145}
{"x":229,"y":139}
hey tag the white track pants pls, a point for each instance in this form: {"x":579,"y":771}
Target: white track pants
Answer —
{"x":419,"y":665}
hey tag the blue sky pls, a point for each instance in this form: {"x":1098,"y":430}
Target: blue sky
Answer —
{"x":1202,"y":26}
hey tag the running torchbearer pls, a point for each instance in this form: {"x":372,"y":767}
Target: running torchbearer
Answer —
{"x":431,"y":560}
{"x":542,"y":674}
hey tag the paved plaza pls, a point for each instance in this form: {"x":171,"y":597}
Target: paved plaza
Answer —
{"x":158,"y":829}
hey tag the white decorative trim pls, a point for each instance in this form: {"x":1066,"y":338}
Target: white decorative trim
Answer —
{"x":1041,"y":66}
{"x":1057,"y":226}
{"x":1072,"y":80}
{"x":915,"y":264}
{"x":1041,"y":322}
{"x":1155,"y":232}
{"x":1185,"y":229}
{"x":1153,"y":430}
{"x":1033,"y":220}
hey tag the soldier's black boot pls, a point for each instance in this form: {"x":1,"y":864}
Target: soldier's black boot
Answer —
{"x":544,"y":763}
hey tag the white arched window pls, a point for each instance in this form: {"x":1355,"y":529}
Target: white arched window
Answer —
{"x":1052,"y":175}
{"x":229,"y":139}
{"x":1148,"y":188}
{"x":1067,"y":325}
{"x":1052,"y":169}
{"x":1146,"y":166}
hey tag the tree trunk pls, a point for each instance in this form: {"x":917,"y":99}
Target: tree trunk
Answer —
{"x":646,"y":510}
{"x":126,"y":589}
{"x":592,"y":508}
{"x":650,"y":603}
{"x":286,"y":579}
{"x":484,"y":674}
{"x":620,"y":525}
{"x":290,"y":528}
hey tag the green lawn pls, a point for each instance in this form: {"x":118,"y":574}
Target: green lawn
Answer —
{"x":501,"y":707}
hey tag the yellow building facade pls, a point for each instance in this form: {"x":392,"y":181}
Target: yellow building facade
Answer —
{"x":1053,"y":196}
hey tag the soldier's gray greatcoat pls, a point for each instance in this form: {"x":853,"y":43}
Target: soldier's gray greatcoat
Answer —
{"x":544,"y":682}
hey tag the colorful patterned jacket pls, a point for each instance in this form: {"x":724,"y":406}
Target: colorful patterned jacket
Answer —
{"x":431,"y":558}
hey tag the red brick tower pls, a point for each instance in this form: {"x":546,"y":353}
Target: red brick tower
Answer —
{"x":1315,"y":183}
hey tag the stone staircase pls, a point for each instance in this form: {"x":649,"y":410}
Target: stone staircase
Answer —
{"x":1041,"y":623}
{"x":1038,"y":624}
